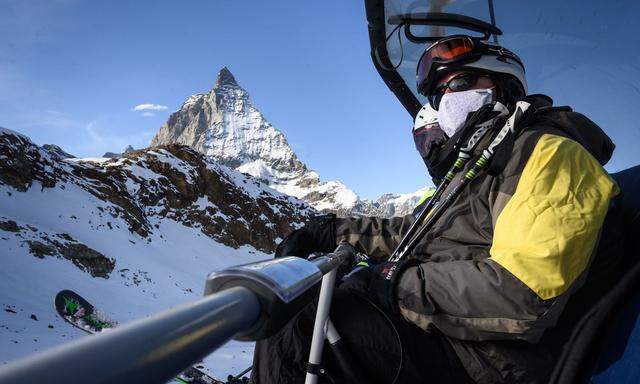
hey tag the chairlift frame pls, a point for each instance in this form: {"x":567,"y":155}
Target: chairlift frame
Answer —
{"x":378,"y":38}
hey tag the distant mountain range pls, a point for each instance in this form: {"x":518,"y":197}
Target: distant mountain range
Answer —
{"x":225,"y":125}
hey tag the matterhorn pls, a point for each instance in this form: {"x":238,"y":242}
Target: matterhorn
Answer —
{"x":225,"y":125}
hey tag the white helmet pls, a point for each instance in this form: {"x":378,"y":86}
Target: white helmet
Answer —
{"x":462,"y":52}
{"x":426,"y":116}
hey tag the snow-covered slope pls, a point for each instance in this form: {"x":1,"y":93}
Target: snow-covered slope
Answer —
{"x":134,"y":235}
{"x":225,"y":125}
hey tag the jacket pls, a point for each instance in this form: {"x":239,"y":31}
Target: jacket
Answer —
{"x":498,"y":269}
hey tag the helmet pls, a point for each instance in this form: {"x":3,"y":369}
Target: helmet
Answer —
{"x":461,"y":52}
{"x":426,"y":117}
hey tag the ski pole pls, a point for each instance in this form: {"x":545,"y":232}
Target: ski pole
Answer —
{"x":324,"y":329}
{"x":319,"y":328}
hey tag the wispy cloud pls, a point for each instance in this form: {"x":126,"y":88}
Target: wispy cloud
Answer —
{"x":149,"y":107}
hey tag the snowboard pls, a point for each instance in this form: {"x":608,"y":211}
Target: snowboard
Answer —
{"x":77,"y":311}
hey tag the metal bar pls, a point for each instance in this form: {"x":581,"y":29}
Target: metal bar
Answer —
{"x":333,"y":336}
{"x":493,"y":20}
{"x":151,"y":350}
{"x":246,"y":370}
{"x":333,"y":260}
{"x":319,"y":327}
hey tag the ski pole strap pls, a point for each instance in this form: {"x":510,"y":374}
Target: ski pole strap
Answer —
{"x":509,"y":126}
{"x":500,"y":110}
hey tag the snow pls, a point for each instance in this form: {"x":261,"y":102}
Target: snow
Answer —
{"x":142,"y":173}
{"x":193,"y":99}
{"x":257,"y":168}
{"x":404,"y":198}
{"x":98,"y":160}
{"x":151,"y":274}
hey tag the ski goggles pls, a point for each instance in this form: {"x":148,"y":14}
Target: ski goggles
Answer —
{"x":453,"y":49}
{"x":427,"y":138}
{"x":459,"y":83}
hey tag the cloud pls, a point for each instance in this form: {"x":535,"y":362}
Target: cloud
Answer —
{"x":149,"y":107}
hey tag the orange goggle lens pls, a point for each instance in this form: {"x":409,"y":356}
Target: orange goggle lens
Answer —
{"x":443,"y":50}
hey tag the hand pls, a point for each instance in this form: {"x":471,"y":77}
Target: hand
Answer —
{"x":378,"y":282}
{"x":318,"y":235}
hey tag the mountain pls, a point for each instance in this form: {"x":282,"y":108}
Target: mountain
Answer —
{"x":135,"y":235}
{"x":113,"y":155}
{"x":225,"y":125}
{"x":393,"y":204}
{"x":57,"y":151}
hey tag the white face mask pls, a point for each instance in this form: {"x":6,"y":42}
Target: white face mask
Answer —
{"x":455,"y":106}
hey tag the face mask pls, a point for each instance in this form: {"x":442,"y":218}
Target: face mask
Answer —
{"x":455,"y":106}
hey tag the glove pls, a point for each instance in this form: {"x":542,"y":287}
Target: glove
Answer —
{"x":378,"y":282}
{"x":318,"y":235}
{"x":350,"y":270}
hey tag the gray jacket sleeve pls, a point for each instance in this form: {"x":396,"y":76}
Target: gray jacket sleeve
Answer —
{"x":473,"y":300}
{"x":374,"y":236}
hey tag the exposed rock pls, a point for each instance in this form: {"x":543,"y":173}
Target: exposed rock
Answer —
{"x":114,"y":155}
{"x":9,"y":226}
{"x":88,"y":259}
{"x":40,"y":249}
{"x":23,"y":161}
{"x":57,"y":151}
{"x":83,"y":257}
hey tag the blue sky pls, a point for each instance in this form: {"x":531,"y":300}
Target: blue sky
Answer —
{"x":71,"y":71}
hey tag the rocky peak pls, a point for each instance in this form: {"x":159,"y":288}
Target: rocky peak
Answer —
{"x":57,"y":151}
{"x":225,"y":79}
{"x":225,"y":125}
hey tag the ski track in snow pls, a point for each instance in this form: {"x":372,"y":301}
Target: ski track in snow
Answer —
{"x":151,"y":274}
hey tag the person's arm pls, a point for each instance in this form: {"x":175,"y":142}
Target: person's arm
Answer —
{"x":544,"y":240}
{"x":374,"y":236}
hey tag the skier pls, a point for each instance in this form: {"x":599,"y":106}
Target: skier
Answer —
{"x":491,"y":292}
